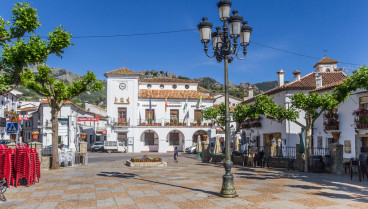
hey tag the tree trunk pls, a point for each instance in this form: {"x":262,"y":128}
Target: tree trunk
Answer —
{"x":307,"y":147}
{"x":55,"y":138}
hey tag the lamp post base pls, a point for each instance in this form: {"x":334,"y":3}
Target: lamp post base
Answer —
{"x":228,"y":189}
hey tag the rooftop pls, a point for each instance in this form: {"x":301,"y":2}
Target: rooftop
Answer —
{"x":121,"y":71}
{"x":326,"y":60}
{"x":307,"y":82}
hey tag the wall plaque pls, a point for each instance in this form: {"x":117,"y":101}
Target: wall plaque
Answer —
{"x":347,"y":146}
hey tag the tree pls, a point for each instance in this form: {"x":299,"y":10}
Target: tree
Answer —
{"x":358,"y":80}
{"x":57,"y":92}
{"x":240,"y":114}
{"x":18,"y":52}
{"x":312,"y":104}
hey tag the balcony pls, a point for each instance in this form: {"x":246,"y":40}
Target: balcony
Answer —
{"x":168,"y":123}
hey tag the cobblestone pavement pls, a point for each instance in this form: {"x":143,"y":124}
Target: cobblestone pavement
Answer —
{"x":187,"y":184}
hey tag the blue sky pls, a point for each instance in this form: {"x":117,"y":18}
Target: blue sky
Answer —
{"x":306,"y":27}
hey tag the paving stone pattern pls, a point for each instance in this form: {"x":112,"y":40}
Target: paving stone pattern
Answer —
{"x":187,"y":184}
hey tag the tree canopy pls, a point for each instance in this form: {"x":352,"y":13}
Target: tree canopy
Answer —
{"x":19,"y":51}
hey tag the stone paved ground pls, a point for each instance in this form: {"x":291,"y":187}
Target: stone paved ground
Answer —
{"x":188,"y":184}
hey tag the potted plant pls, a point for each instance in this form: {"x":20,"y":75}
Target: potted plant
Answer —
{"x":336,"y":134}
{"x":83,"y":136}
{"x":149,"y":120}
{"x":199,"y":121}
{"x":176,"y":121}
{"x":205,"y":137}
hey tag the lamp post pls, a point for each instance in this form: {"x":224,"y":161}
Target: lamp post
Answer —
{"x":225,"y":43}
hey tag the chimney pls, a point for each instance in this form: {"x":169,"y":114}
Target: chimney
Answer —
{"x":250,"y":92}
{"x":246,"y":96}
{"x":296,"y":75}
{"x":318,"y":80}
{"x":281,"y":77}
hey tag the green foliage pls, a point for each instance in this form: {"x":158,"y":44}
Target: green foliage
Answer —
{"x":17,"y":52}
{"x":210,"y":113}
{"x":176,"y":120}
{"x":184,"y":78}
{"x":43,"y":82}
{"x":199,"y":120}
{"x":313,"y":104}
{"x":359,"y":79}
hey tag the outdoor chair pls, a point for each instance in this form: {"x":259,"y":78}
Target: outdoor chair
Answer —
{"x":291,"y":163}
{"x":258,"y":159}
{"x":363,"y":165}
{"x":3,"y":187}
{"x":354,"y":164}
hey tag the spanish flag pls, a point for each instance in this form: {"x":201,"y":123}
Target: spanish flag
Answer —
{"x":165,"y":104}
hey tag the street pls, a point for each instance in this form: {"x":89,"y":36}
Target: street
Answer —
{"x":108,"y":183}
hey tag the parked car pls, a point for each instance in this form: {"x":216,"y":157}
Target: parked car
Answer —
{"x":4,"y":142}
{"x":114,"y":146}
{"x":191,"y":149}
{"x":97,"y":146}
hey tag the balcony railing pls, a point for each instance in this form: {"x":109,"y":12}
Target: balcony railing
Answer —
{"x":166,"y":123}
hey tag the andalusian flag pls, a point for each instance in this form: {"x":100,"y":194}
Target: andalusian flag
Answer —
{"x":165,"y":104}
{"x":185,"y":105}
{"x":200,"y":100}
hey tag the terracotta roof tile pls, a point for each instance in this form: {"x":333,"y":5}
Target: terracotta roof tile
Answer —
{"x":172,"y":94}
{"x":307,"y":82}
{"x":201,"y":89}
{"x":329,"y":86}
{"x":46,"y":102}
{"x":121,"y":71}
{"x":28,"y":109}
{"x":326,"y":60}
{"x":166,"y":80}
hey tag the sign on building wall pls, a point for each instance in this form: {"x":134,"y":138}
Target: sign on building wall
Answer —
{"x":347,"y":146}
{"x":88,"y":119}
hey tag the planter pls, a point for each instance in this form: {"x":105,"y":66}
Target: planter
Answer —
{"x":336,"y":136}
{"x":205,"y":137}
{"x":35,"y":135}
{"x":83,"y":136}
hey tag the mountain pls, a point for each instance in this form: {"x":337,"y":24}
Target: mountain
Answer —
{"x":265,"y":86}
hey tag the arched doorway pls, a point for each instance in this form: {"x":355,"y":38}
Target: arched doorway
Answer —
{"x":149,"y":141}
{"x":175,"y":138}
{"x":198,"y":133}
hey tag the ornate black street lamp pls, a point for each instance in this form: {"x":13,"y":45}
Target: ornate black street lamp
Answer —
{"x":225,"y":43}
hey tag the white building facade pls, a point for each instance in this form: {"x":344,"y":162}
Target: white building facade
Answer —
{"x":8,"y":103}
{"x":326,"y":73}
{"x":155,"y":115}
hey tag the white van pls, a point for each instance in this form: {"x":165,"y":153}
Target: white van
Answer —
{"x":114,"y":146}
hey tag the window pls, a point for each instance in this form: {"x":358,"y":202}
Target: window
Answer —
{"x":174,"y":86}
{"x":363,"y":101}
{"x":149,"y":138}
{"x":150,"y":114}
{"x":149,"y":86}
{"x":174,"y":138}
{"x":328,"y":70}
{"x":174,"y":114}
{"x":186,"y":86}
{"x":162,"y":86}
{"x":198,"y":114}
{"x":122,"y":115}
{"x":122,"y":137}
